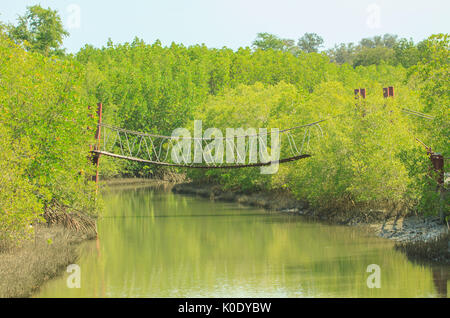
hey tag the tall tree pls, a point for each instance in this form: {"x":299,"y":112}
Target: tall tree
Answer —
{"x":342,"y":53}
{"x":310,"y":42}
{"x":265,"y":41}
{"x":40,"y":30}
{"x":407,"y":53}
{"x":373,"y":56}
{"x":387,"y":40}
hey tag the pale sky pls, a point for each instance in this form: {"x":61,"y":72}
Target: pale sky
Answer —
{"x":235,"y":23}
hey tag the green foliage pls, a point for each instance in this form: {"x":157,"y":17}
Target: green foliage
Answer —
{"x":252,"y":106}
{"x":44,"y":138}
{"x":407,"y":53}
{"x":149,"y":87}
{"x":40,"y":30}
{"x":157,"y":89}
{"x":266,"y":41}
{"x":430,"y":78}
{"x":387,"y":41}
{"x":310,"y":42}
{"x":377,"y":55}
{"x":356,"y":159}
{"x":361,"y":159}
{"x":364,"y":157}
{"x":342,"y":53}
{"x":387,"y":49}
{"x":422,"y":188}
{"x":19,"y":206}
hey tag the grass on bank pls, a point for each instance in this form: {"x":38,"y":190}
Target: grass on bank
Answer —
{"x":24,"y":269}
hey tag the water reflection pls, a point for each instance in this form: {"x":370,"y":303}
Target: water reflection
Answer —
{"x":440,"y":279}
{"x":153,"y":243}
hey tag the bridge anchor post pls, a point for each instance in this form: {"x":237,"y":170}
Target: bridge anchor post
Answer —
{"x":96,"y":156}
{"x":437,"y":161}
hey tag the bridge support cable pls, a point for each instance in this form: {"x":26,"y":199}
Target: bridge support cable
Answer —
{"x":247,"y":150}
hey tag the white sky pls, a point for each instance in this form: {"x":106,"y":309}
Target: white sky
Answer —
{"x":235,"y":23}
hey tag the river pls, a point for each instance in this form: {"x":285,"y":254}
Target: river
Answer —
{"x":153,"y":243}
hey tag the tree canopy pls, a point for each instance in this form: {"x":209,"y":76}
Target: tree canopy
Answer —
{"x":310,"y":42}
{"x":40,"y":30}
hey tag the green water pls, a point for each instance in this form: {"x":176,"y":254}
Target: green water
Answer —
{"x":153,"y":243}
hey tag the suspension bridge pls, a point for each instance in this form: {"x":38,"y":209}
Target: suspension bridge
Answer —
{"x":159,"y":150}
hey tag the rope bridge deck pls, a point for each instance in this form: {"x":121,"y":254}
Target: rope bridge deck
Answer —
{"x":156,"y":149}
{"x":259,"y":164}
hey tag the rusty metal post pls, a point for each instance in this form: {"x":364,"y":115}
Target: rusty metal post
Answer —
{"x":360,"y":92}
{"x":437,"y":161}
{"x":388,"y":91}
{"x":96,"y":156}
{"x":391,"y":91}
{"x":437,"y":165}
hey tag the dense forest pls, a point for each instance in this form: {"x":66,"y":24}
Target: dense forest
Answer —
{"x":369,"y":160}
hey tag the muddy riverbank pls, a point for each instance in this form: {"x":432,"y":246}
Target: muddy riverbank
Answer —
{"x":24,"y":269}
{"x":421,"y":238}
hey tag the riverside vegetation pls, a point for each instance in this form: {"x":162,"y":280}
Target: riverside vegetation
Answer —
{"x":367,"y":158}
